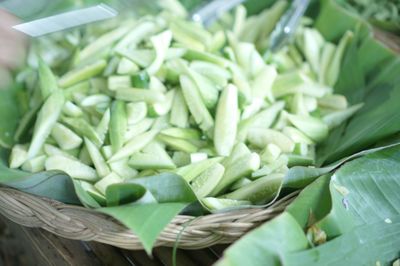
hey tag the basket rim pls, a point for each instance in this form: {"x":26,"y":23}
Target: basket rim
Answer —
{"x":84,"y":224}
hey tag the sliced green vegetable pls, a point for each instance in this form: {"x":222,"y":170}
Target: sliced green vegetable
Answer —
{"x":313,"y":127}
{"x":48,"y":82}
{"x":97,"y":159}
{"x":196,"y":106}
{"x":47,"y":118}
{"x":134,"y":145}
{"x":161,"y":43}
{"x":179,"y":111}
{"x":262,"y":137}
{"x":82,"y":74}
{"x":107,"y":181}
{"x":83,"y":128}
{"x":243,"y":167}
{"x":259,"y":191}
{"x":118,"y":125}
{"x":138,"y":128}
{"x":226,"y":121}
{"x":73,"y":168}
{"x":204,"y":184}
{"x":65,"y":137}
{"x":35,"y":165}
{"x":139,"y":95}
{"x":19,"y":154}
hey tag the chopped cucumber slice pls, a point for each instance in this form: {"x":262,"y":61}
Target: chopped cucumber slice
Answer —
{"x":139,"y":95}
{"x":35,"y":165}
{"x":73,"y":168}
{"x":107,"y":181}
{"x":179,"y":111}
{"x":19,"y":154}
{"x":47,"y":118}
{"x":83,"y":128}
{"x":243,"y":167}
{"x":226,"y":121}
{"x":65,"y":137}
{"x":118,"y":125}
{"x":138,"y":128}
{"x":123,"y":169}
{"x":216,"y":204}
{"x":136,"y":112}
{"x":195,"y":104}
{"x":204,"y":184}
{"x":193,"y":170}
{"x":134,"y":145}
{"x":178,"y":144}
{"x":262,"y":137}
{"x":51,"y":150}
{"x":119,"y":82}
{"x":97,"y":159}
{"x":259,"y":191}
{"x":182,"y":133}
{"x":70,"y":109}
{"x":104,"y":125}
{"x":75,"y":76}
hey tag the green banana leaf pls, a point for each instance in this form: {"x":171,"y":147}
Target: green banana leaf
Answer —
{"x":369,"y":74}
{"x":357,"y":208}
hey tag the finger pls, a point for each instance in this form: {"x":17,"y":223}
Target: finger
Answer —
{"x":5,"y":78}
{"x":12,"y":42}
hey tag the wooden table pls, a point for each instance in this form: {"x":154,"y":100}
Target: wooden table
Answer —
{"x":20,"y":246}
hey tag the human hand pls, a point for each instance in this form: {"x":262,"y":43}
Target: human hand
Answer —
{"x":12,"y":48}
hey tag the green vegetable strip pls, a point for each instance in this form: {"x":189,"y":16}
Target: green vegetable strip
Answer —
{"x":226,"y":121}
{"x":103,"y":126}
{"x":136,"y":112}
{"x":35,"y":165}
{"x":118,"y":125}
{"x":101,"y":43}
{"x":160,"y":42}
{"x":123,"y":169}
{"x":258,"y":192}
{"x":183,"y":133}
{"x":333,"y":71}
{"x":18,"y":156}
{"x":139,"y":128}
{"x":134,"y":145}
{"x":136,"y":35}
{"x":178,"y":144}
{"x":47,"y":118}
{"x":179,"y":111}
{"x":193,"y":170}
{"x":65,"y":137}
{"x":194,"y":103}
{"x":204,"y":184}
{"x":110,"y":179}
{"x":97,"y":159}
{"x":83,"y":128}
{"x":338,"y":117}
{"x":73,"y":168}
{"x":82,"y":74}
{"x":70,"y":109}
{"x":48,"y":82}
{"x":243,"y":167}
{"x":262,"y":137}
{"x":139,"y":95}
{"x":51,"y":150}
{"x":311,"y":126}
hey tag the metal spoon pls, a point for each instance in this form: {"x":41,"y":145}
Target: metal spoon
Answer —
{"x":287,"y":25}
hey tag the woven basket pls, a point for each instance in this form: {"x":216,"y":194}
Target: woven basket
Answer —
{"x":78,"y":223}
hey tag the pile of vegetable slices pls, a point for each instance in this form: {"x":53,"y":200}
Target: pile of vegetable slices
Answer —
{"x":164,"y":94}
